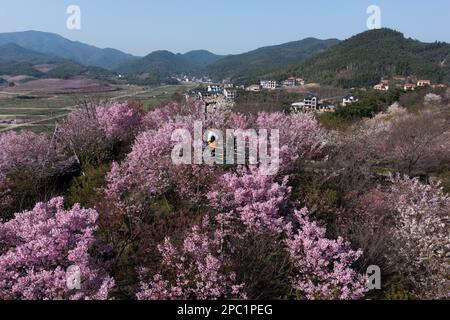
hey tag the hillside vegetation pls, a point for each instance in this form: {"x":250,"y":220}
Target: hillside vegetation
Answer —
{"x":367,"y":57}
{"x":244,"y":67}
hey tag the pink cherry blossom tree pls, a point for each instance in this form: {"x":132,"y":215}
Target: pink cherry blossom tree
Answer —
{"x":197,"y":269}
{"x":91,"y":131}
{"x":38,"y":247}
{"x":301,"y":137}
{"x":119,"y":121}
{"x":323,"y":267}
{"x":248,"y":198}
{"x":25,"y":150}
{"x":149,"y":170}
{"x":171,"y":112}
{"x":82,"y":136}
{"x":27,"y":162}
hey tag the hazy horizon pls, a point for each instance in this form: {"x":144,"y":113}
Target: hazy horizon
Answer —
{"x":141,"y":27}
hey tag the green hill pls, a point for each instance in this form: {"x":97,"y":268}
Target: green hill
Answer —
{"x":11,"y":52}
{"x":15,"y":60}
{"x":158,"y":66}
{"x":199,"y":59}
{"x":246,"y":66}
{"x":161,"y":62}
{"x":70,"y":70}
{"x":367,"y":57}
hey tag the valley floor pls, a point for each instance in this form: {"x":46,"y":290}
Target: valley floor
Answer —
{"x":38,"y":109}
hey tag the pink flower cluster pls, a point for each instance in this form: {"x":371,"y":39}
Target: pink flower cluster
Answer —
{"x":27,"y":152}
{"x":301,"y":137}
{"x":149,"y":170}
{"x":38,"y":247}
{"x":323,"y":267}
{"x":119,"y":120}
{"x":89,"y":131}
{"x":24,"y":150}
{"x":172,"y":112}
{"x":243,"y":202}
{"x":196,"y":270}
{"x":251,"y":199}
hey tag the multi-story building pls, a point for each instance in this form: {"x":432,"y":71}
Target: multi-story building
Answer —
{"x":230,"y":93}
{"x":214,"y":89}
{"x":311,"y":101}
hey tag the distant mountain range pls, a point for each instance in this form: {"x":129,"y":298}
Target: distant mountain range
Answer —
{"x":359,"y":61}
{"x":55,"y":45}
{"x":366,"y":58}
{"x":16,"y":60}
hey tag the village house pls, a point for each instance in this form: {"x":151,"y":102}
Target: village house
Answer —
{"x":290,"y":82}
{"x":297,"y":107}
{"x":409,"y":87}
{"x":269,"y":84}
{"x":230,"y":93}
{"x":324,"y":107}
{"x":227,"y":83}
{"x":201,"y":95}
{"x":319,"y":107}
{"x":349,"y":99}
{"x":214,"y":89}
{"x":424,"y":83}
{"x":253,"y":88}
{"x":311,"y":101}
{"x":381,"y":87}
{"x":300,"y":81}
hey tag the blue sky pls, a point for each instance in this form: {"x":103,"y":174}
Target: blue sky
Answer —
{"x":231,"y":26}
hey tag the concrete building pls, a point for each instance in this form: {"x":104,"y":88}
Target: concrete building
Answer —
{"x":230,"y":93}
{"x":269,"y":84}
{"x":311,"y":101}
